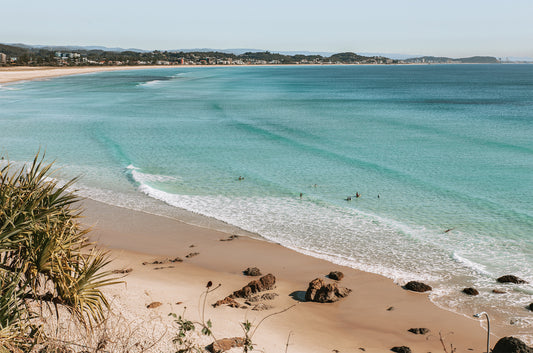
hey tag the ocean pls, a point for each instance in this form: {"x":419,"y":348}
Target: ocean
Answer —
{"x":441,"y":156}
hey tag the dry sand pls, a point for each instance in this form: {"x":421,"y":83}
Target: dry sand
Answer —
{"x":359,"y":321}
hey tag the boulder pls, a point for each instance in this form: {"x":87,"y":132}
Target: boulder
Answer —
{"x":401,"y":349}
{"x":266,"y":282}
{"x":510,"y":279}
{"x":470,"y":291}
{"x":511,"y":345}
{"x":252,"y":271}
{"x":419,"y":330}
{"x":321,"y":292}
{"x":154,"y":305}
{"x":417,"y":286}
{"x":336,"y":275}
{"x":225,"y":344}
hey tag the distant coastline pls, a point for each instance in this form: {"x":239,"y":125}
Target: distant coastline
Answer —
{"x":14,"y":56}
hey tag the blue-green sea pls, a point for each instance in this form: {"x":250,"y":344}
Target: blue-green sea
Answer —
{"x":441,"y":156}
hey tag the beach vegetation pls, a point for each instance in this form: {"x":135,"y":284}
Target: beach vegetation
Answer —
{"x":46,"y":259}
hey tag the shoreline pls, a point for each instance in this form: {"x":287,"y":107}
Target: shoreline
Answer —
{"x":360,"y":320}
{"x":15,"y":74}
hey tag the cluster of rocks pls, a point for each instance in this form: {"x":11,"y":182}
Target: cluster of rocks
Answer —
{"x":264,"y":283}
{"x":422,"y":287}
{"x":164,"y":261}
{"x":504,"y":345}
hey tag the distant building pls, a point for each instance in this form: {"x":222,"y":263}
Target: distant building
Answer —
{"x":3,"y":58}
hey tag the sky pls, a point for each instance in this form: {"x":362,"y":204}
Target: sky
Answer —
{"x":454,"y":28}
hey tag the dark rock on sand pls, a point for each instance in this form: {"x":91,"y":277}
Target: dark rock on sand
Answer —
{"x":336,"y":275}
{"x":154,"y":305}
{"x":321,"y":292}
{"x":419,"y":330}
{"x":470,"y":291}
{"x":498,"y":291}
{"x":266,"y":282}
{"x":511,"y":345}
{"x":401,"y":349}
{"x":417,"y":286}
{"x":252,"y":271}
{"x":193,"y":254}
{"x":225,"y":344}
{"x":510,"y":279}
{"x":531,"y":306}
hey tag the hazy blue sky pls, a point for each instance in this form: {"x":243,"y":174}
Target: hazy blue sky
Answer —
{"x":451,"y":27}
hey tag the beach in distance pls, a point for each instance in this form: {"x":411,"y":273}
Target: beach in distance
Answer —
{"x":386,"y":173}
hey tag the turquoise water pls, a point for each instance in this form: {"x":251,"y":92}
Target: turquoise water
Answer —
{"x":444,"y":147}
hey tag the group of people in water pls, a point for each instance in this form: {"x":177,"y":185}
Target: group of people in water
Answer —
{"x":348,"y":198}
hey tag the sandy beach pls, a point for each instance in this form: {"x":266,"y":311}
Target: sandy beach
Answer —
{"x":23,"y":73}
{"x":374,"y":317}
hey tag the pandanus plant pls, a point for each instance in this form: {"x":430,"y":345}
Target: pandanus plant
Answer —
{"x":45,"y":255}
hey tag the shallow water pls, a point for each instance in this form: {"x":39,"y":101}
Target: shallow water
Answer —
{"x":443,"y":146}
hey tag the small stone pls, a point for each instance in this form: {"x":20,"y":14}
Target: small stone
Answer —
{"x":417,"y":286}
{"x":498,"y":291}
{"x":193,"y":254}
{"x":401,"y":349}
{"x":390,"y":308}
{"x":177,"y":259}
{"x":252,"y":271}
{"x":470,"y":291}
{"x":419,"y":330}
{"x":510,"y":279}
{"x":336,"y":275}
{"x":225,"y":344}
{"x":154,"y":305}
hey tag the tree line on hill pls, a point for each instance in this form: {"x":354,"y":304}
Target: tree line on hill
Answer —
{"x":32,"y":56}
